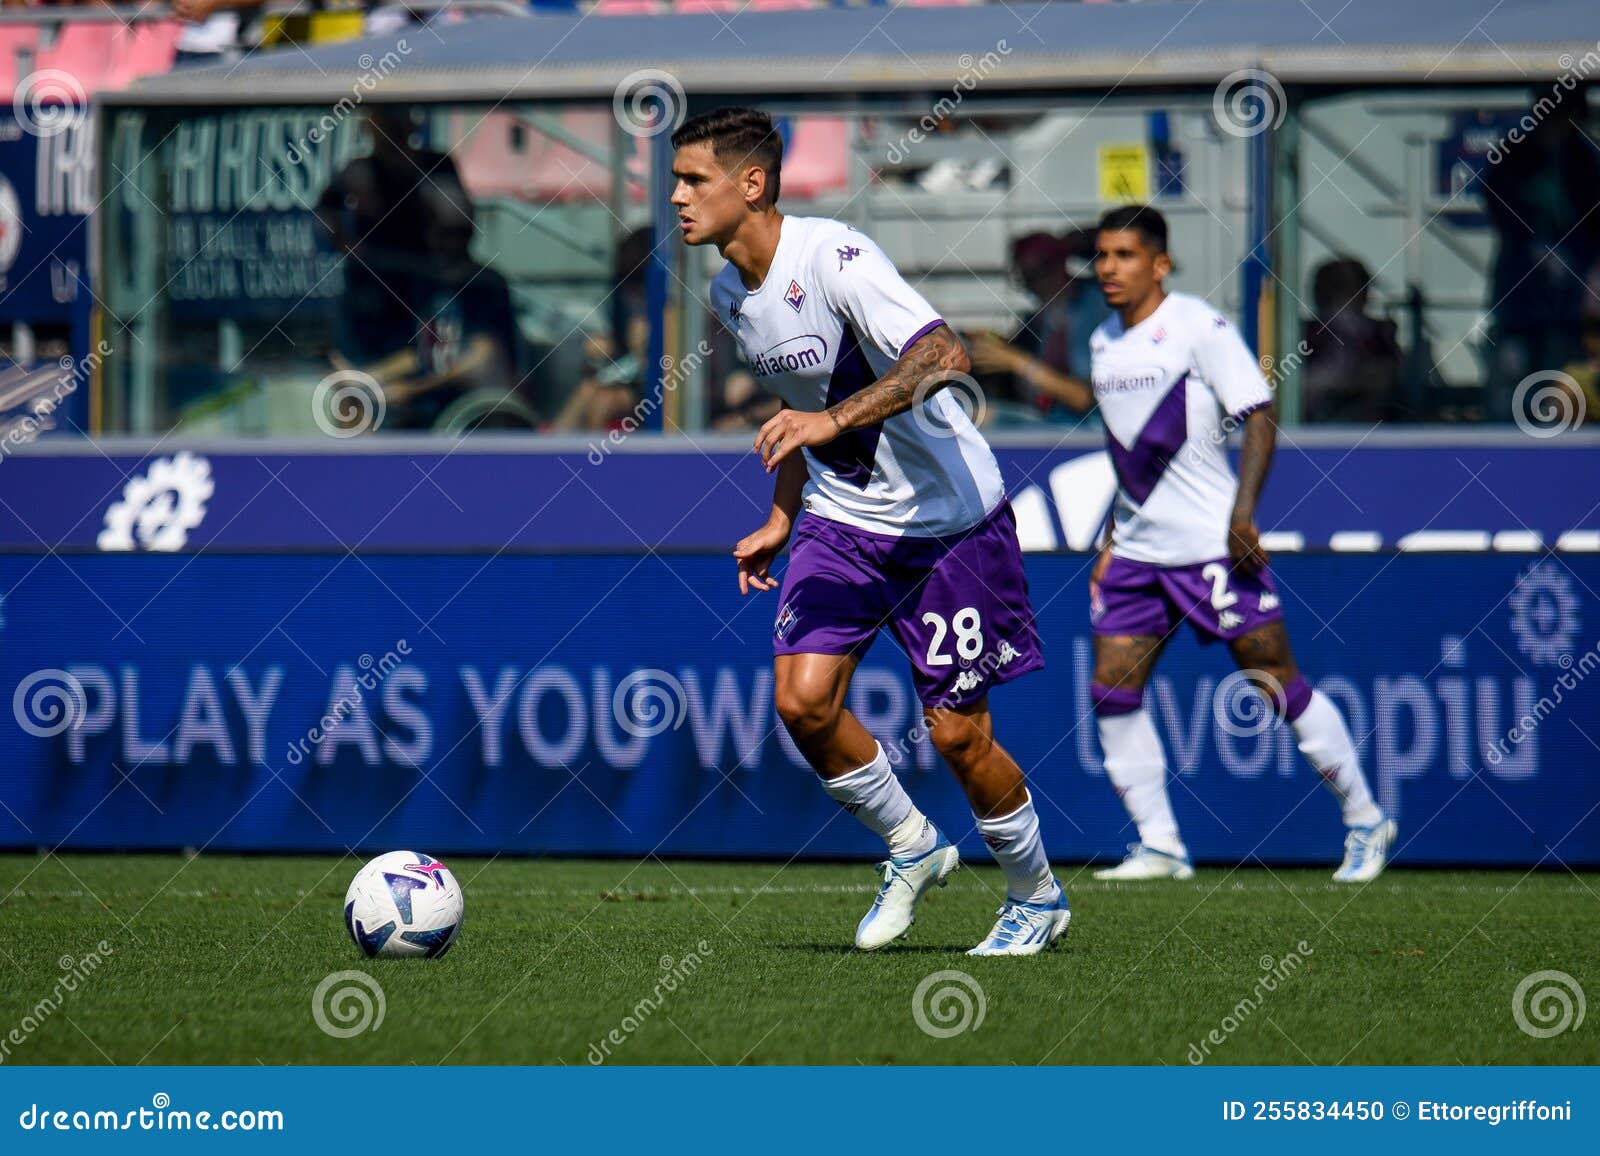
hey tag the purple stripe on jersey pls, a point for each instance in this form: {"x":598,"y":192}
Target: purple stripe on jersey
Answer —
{"x":921,"y":333}
{"x":1248,"y":410}
{"x":1140,"y":466}
{"x":850,"y":455}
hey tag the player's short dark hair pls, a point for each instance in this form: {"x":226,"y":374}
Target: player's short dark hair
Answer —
{"x":738,"y":136}
{"x":1142,"y":219}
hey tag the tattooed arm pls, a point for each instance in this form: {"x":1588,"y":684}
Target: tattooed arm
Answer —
{"x":921,"y":371}
{"x":934,"y":359}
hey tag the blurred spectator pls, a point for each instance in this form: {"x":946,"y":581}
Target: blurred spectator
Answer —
{"x":376,"y":210}
{"x":1541,"y":199}
{"x":741,"y":403}
{"x":214,"y":27}
{"x":1047,"y":359}
{"x":613,"y":385}
{"x":211,"y":32}
{"x":1352,"y":370}
{"x":1586,"y":373}
{"x":465,"y":341}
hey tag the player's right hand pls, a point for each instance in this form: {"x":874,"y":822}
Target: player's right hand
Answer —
{"x":755,"y":554}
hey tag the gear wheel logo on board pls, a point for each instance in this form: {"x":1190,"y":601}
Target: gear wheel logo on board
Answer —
{"x":1544,"y":614}
{"x":159,"y":508}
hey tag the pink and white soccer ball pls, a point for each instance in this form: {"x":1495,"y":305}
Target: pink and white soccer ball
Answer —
{"x":404,"y":905}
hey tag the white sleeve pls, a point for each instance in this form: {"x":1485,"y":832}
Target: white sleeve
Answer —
{"x":858,"y":281}
{"x":1226,"y":364}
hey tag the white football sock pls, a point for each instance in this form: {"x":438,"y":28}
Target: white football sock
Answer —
{"x":1014,"y":841}
{"x":1137,"y":768}
{"x":1325,"y":742}
{"x":873,"y":795}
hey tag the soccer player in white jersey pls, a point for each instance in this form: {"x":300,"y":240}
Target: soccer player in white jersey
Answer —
{"x":907,"y":525}
{"x":1183,"y":544}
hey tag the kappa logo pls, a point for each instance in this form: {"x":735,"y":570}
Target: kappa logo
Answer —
{"x":1006,"y":652}
{"x":795,"y":296}
{"x":1269,"y":601}
{"x":733,"y":311}
{"x":848,"y":253}
{"x":1230,"y":620}
{"x":968,"y":680}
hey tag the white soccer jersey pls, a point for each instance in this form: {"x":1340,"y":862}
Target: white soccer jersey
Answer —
{"x":831,"y":317}
{"x":1163,"y":388}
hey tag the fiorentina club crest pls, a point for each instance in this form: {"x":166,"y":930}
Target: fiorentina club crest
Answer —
{"x":796,"y":296}
{"x":786,"y":622}
{"x":1158,"y":336}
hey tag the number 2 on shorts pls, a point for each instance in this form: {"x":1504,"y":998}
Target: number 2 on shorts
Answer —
{"x":1221,"y":596}
{"x":968,"y":629}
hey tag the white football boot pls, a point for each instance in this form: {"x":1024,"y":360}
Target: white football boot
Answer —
{"x":1027,"y":928}
{"x":1366,"y":852}
{"x":905,"y":882}
{"x":1148,"y":863}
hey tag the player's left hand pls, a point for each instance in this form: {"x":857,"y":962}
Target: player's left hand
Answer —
{"x":1245,"y":549}
{"x":788,"y":431}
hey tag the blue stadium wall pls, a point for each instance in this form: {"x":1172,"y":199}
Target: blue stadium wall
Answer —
{"x":616,"y":700}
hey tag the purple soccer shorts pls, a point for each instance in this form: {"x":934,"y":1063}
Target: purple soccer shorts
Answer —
{"x":958,"y":604}
{"x":1220,"y":603}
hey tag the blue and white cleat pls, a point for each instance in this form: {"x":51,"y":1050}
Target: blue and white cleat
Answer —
{"x":1027,"y":928}
{"x":1366,"y":852}
{"x":1148,"y":863}
{"x":905,"y":882}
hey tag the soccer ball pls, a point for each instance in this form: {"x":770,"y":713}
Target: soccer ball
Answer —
{"x":404,"y":905}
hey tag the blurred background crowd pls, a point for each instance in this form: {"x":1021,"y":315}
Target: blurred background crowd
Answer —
{"x":489,"y":268}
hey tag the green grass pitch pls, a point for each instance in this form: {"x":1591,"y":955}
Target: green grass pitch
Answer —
{"x":215,"y":959}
